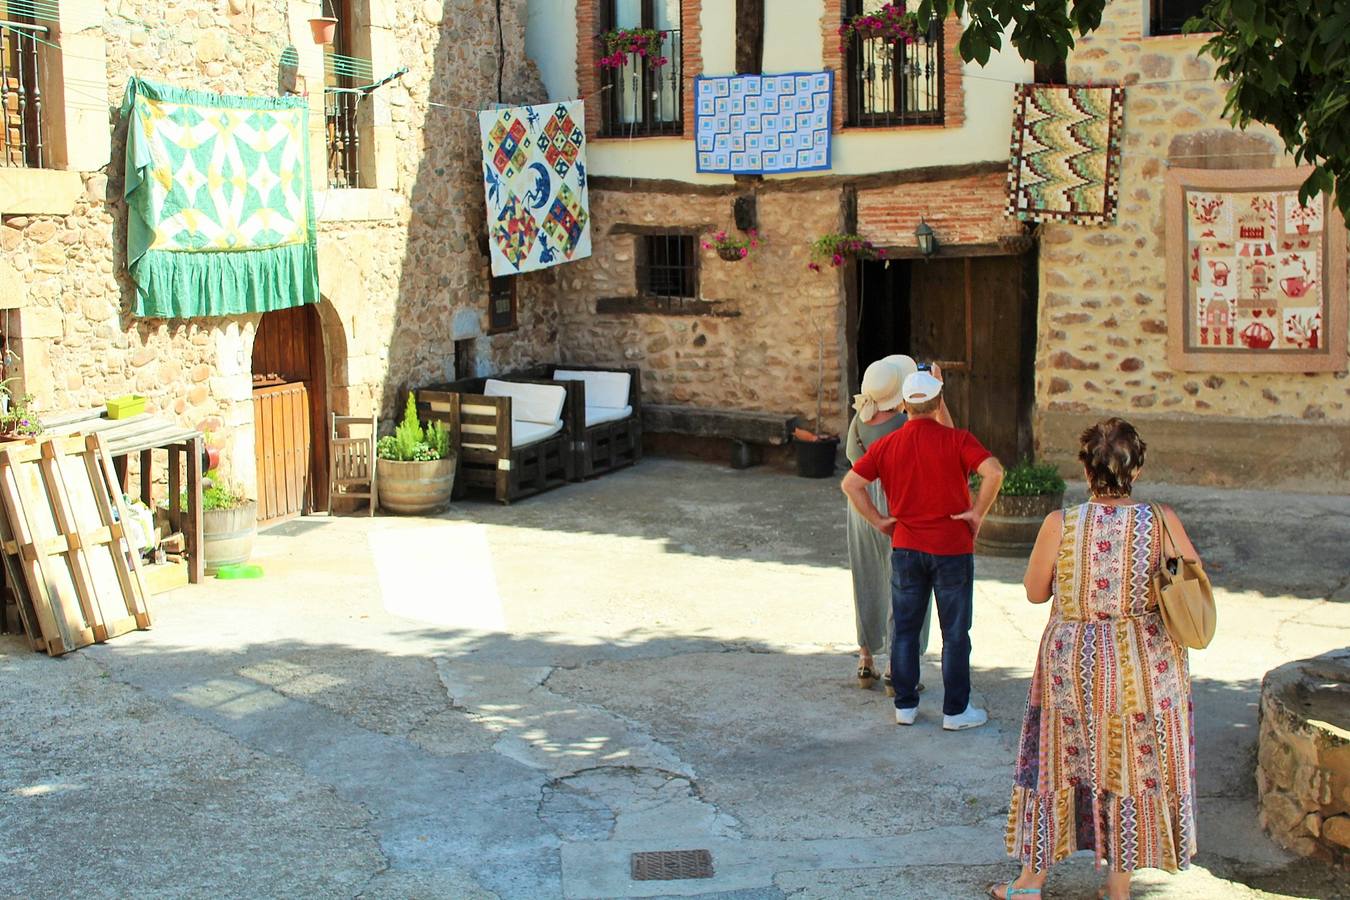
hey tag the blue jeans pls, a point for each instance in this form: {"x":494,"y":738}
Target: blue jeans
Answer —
{"x":952,"y":581}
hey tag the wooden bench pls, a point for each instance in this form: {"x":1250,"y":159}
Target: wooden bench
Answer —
{"x":480,"y":432}
{"x":748,"y":431}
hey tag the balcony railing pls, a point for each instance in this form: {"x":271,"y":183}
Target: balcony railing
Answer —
{"x":895,"y":84}
{"x":20,"y":95}
{"x":339,"y":112}
{"x":640,"y":101}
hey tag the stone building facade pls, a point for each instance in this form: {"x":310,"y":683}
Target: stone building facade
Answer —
{"x":403,"y":272}
{"x":1103,"y":322}
{"x":1093,"y":340}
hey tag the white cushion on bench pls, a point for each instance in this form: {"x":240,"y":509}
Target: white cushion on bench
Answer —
{"x":604,"y":389}
{"x":523,"y":434}
{"x":598,"y":415}
{"x":541,"y":404}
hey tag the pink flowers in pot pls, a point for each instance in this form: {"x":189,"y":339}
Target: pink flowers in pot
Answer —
{"x":732,"y":247}
{"x":891,"y":23}
{"x":839,"y":248}
{"x":623,"y":44}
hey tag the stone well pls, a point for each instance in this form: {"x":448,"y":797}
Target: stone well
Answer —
{"x":1303,"y":769}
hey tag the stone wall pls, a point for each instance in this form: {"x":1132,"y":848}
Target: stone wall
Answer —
{"x":755,"y":346}
{"x":393,"y":280}
{"x":1103,"y":331}
{"x":1303,"y":769}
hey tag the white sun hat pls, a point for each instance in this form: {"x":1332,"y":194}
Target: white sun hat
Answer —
{"x":880,"y":389}
{"x":905,"y":364}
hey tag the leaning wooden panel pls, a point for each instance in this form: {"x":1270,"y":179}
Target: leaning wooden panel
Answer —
{"x":61,"y":620}
{"x":14,"y":573}
{"x":104,"y":505}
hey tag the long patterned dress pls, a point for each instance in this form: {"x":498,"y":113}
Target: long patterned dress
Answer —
{"x":1106,"y":760}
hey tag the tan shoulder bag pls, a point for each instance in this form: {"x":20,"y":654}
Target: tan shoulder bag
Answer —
{"x":1185,"y":598}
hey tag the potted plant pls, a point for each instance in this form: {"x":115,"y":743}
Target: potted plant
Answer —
{"x":324,"y":28}
{"x":18,"y":417}
{"x":732,"y":248}
{"x":836,"y":248}
{"x":622,"y":44}
{"x":229,"y":523}
{"x":817,"y":449}
{"x":415,"y":469}
{"x":890,"y":23}
{"x":1030,"y":492}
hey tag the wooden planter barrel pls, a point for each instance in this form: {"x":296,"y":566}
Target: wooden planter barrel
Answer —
{"x":415,"y":488}
{"x":227,"y":535}
{"x":1011,"y":527}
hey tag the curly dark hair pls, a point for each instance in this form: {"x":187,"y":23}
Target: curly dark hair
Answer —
{"x":1112,"y":452}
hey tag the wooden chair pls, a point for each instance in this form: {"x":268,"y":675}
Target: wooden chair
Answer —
{"x":351,"y":461}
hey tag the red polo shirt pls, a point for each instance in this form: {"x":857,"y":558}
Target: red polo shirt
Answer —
{"x":925,"y":470}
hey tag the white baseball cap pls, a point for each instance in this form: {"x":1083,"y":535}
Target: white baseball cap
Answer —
{"x":921,"y":387}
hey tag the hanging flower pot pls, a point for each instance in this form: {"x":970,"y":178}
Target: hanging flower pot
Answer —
{"x":730,"y":247}
{"x":324,"y":29}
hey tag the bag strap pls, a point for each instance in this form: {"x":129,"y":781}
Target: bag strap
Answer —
{"x":1167,"y":534}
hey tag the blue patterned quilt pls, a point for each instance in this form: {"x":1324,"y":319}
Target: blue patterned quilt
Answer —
{"x":764,"y":124}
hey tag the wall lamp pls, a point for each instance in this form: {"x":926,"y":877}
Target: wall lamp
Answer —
{"x":926,"y":239}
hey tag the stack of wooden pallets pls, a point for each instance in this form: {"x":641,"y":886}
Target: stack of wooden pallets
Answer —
{"x":76,"y":576}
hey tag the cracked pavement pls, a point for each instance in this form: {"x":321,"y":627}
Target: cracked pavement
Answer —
{"x":507,"y":702}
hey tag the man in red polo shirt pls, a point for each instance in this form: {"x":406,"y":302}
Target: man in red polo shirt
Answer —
{"x":925,"y":470}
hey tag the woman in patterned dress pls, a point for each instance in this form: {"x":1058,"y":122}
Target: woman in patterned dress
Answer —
{"x":1106,"y":757}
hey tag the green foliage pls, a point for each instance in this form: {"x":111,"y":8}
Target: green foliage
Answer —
{"x":217,"y":493}
{"x":18,"y":416}
{"x":1042,"y":30}
{"x":835,"y":248}
{"x":410,"y":442}
{"x":1027,"y":479}
{"x":1287,"y":64}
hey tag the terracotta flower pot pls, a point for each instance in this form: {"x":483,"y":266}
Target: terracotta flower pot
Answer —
{"x":324,"y":29}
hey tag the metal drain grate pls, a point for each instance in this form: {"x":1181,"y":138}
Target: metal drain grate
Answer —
{"x":672,"y":865}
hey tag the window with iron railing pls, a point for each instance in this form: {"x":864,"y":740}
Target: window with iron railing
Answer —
{"x":638,"y":98}
{"x":21,"y":138}
{"x":667,"y":267}
{"x":342,"y":71}
{"x":891,"y":84}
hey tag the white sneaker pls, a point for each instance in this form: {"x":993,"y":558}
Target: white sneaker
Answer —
{"x":971,"y":718}
{"x":906,"y":716}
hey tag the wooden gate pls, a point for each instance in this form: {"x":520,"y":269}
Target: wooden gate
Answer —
{"x":290,"y":414}
{"x":974,"y":315}
{"x":281,"y":432}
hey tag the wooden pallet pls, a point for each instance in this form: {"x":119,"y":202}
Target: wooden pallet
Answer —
{"x":63,"y":533}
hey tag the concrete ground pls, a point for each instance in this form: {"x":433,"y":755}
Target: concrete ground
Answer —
{"x":509,"y":701}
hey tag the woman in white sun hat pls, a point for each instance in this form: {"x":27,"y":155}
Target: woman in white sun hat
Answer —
{"x":878,"y":413}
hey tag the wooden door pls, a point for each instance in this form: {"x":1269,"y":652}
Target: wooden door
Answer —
{"x":971,"y":314}
{"x":288,"y":350}
{"x":281,"y":434}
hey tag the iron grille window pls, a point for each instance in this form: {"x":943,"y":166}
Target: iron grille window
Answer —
{"x":20,"y":92}
{"x":339,"y":106}
{"x":639,"y":100}
{"x":502,"y":309}
{"x":668,"y":266}
{"x":1171,"y":16}
{"x":893,"y":84}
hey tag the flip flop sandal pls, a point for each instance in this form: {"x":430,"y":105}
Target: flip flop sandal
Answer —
{"x":1010,"y":892}
{"x":867,"y":677}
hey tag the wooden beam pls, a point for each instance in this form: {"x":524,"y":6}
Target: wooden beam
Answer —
{"x":802,"y":184}
{"x":661,"y":306}
{"x":733,"y":424}
{"x":749,"y":37}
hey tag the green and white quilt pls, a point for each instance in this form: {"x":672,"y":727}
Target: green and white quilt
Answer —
{"x":221,"y":211}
